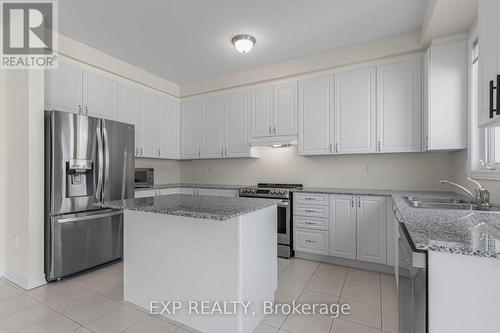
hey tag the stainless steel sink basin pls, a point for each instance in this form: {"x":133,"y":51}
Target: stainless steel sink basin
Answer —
{"x":447,"y":203}
{"x":438,"y":200}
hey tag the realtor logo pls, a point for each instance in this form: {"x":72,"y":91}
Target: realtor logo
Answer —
{"x":28,"y":34}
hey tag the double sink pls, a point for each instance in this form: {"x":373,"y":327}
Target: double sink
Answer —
{"x":447,"y":203}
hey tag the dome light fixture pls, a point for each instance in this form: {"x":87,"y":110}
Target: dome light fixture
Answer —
{"x":243,"y":43}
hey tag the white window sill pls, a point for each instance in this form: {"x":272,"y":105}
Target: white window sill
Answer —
{"x":485,"y":174}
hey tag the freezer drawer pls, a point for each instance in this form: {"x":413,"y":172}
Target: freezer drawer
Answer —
{"x":83,"y":240}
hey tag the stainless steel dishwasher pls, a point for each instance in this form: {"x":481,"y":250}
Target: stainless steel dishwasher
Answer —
{"x":412,"y":286}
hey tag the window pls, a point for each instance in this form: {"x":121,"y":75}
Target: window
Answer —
{"x":484,"y":143}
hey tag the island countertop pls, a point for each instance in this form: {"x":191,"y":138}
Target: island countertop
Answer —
{"x":198,"y":206}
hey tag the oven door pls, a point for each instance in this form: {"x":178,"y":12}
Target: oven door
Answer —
{"x":284,"y":223}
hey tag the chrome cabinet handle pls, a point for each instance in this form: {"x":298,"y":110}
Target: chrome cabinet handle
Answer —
{"x":199,"y":153}
{"x":270,"y":129}
{"x":310,"y":211}
{"x":308,"y":198}
{"x":86,"y":111}
{"x":379,"y":145}
{"x":79,"y":109}
{"x":310,"y":223}
{"x":336,"y":148}
{"x":136,"y":151}
{"x":359,"y":203}
{"x":352,"y":203}
{"x":330,"y":146}
{"x":222,"y":152}
{"x":225,"y":152}
{"x":159,"y":153}
{"x":142,"y":153}
{"x":274,"y":129}
{"x":310,"y":241}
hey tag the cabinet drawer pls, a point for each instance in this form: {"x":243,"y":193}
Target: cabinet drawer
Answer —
{"x":311,"y":222}
{"x":310,"y":198}
{"x":311,"y":241}
{"x":310,"y":210}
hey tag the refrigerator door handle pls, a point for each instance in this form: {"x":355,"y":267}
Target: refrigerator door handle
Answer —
{"x":106,"y":158}
{"x":89,"y":217}
{"x":100,"y":158}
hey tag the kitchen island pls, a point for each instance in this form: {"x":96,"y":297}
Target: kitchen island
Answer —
{"x":181,"y":250}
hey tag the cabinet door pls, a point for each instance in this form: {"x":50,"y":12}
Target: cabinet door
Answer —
{"x":355,"y":112}
{"x":128,"y":103}
{"x":63,"y":88}
{"x":447,"y":96}
{"x":488,"y":51}
{"x":285,"y":109}
{"x":236,"y":116}
{"x":147,"y":124}
{"x":371,"y":229}
{"x":262,"y":112}
{"x":315,"y":106}
{"x":211,"y":128}
{"x":190,"y":129}
{"x":100,"y":96}
{"x":168,"y":128}
{"x":343,"y":226}
{"x":399,"y":107}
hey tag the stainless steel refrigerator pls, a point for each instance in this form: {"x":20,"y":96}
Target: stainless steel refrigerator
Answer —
{"x":87,"y":160}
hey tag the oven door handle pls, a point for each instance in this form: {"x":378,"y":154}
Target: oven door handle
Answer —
{"x":284,"y":204}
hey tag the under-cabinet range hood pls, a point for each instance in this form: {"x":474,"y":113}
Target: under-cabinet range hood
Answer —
{"x":275,"y":141}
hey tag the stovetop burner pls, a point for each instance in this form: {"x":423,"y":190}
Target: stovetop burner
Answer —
{"x":269,"y":190}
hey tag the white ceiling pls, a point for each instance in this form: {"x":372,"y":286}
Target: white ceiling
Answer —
{"x":189,"y":40}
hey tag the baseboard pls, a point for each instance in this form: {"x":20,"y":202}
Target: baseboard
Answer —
{"x":21,"y":281}
{"x":346,"y":262}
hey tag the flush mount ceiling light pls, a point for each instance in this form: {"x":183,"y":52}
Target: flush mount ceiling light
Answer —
{"x":243,"y":43}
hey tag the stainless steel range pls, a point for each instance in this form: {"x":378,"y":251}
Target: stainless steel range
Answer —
{"x":283,"y":192}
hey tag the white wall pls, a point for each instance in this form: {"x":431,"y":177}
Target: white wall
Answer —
{"x":166,"y":171}
{"x":416,"y":171}
{"x":3,"y":188}
{"x":23,"y":177}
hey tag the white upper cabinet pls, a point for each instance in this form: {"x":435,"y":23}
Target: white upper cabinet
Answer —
{"x":274,"y":110}
{"x":315,"y":116}
{"x":168,"y":128}
{"x":355,"y":112}
{"x":343,"y":226}
{"x":236,"y":129}
{"x":63,"y":88}
{"x":285,"y":109}
{"x":128,"y":104}
{"x":190,"y":129}
{"x":211,"y":128}
{"x":489,"y":53}
{"x":399,"y":107}
{"x":371,"y":229}
{"x":99,"y":96}
{"x":446,"y":96}
{"x":262,"y":112}
{"x":146,"y":125}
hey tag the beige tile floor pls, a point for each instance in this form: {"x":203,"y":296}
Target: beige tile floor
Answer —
{"x":93,"y":302}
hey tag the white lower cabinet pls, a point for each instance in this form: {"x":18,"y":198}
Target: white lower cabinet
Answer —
{"x":312,"y":241}
{"x":371,"y":233}
{"x":343,"y":226}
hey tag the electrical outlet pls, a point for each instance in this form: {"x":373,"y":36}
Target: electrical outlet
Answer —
{"x":370,"y":168}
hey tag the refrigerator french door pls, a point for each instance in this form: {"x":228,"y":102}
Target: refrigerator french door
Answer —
{"x":87,"y":160}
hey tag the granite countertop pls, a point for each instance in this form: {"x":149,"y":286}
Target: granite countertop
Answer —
{"x":197,"y":206}
{"x":465,"y":232}
{"x":191,"y":185}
